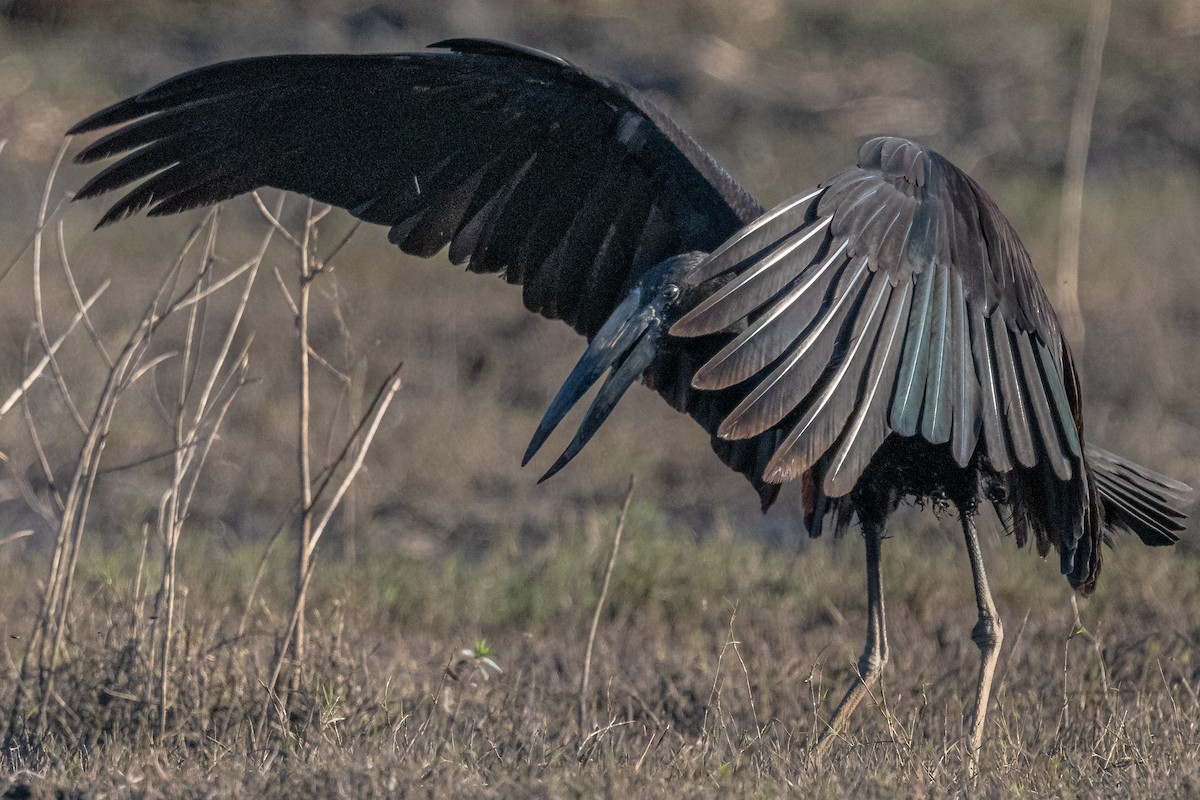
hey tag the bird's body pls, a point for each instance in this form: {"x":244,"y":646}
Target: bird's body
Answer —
{"x":880,"y":338}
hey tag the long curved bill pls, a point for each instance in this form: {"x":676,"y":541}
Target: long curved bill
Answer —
{"x":626,"y":344}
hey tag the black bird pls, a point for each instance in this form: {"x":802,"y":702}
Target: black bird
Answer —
{"x":881,"y":337}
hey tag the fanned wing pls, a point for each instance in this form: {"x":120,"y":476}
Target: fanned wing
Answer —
{"x":893,"y":298}
{"x":569,"y":184}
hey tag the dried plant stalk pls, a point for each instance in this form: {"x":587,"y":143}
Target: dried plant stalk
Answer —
{"x":1079,"y":138}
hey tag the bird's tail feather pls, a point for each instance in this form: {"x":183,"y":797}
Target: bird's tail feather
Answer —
{"x":1139,"y":500}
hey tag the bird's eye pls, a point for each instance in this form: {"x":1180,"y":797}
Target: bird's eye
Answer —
{"x":670,"y":291}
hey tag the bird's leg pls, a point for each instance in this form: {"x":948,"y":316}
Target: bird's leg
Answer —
{"x":875,"y":653}
{"x":988,"y":635}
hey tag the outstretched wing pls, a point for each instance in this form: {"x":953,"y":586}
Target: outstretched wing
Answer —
{"x":892,"y":298}
{"x":569,"y":184}
{"x":573,"y":185}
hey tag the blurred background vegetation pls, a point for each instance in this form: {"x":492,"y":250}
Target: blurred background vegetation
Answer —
{"x":445,"y":536}
{"x":781,"y":93}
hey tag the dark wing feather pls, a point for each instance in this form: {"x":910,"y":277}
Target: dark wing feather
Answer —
{"x":990,"y":405}
{"x":835,"y":398}
{"x":776,"y":395}
{"x":761,"y":280}
{"x":570,"y":184}
{"x":966,"y":412}
{"x":935,"y":414}
{"x":1016,"y":412}
{"x":772,"y":331}
{"x":869,"y":426}
{"x":914,"y":363}
{"x":1052,"y":443}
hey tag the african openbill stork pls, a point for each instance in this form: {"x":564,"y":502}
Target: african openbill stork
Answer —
{"x":881,"y":337}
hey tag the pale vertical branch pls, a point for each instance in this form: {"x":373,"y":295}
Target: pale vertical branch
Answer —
{"x":309,"y":267}
{"x":585,"y":678}
{"x":303,"y":438}
{"x":1078,"y":141}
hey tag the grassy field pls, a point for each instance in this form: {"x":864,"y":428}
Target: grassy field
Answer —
{"x":452,"y":598}
{"x":715,"y":662}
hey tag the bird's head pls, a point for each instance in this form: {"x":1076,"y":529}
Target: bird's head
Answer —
{"x":626,"y":344}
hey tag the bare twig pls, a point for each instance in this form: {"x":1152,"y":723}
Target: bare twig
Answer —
{"x":69,"y":276}
{"x":734,"y":643}
{"x":16,"y":259}
{"x":60,"y":380}
{"x":304,"y":438}
{"x":35,"y":373}
{"x":375,"y":414}
{"x":273,"y":218}
{"x":315,"y":513}
{"x":35,"y":439}
{"x":197,"y":418}
{"x":261,"y":570}
{"x":369,"y":427}
{"x":585,"y":678}
{"x":15,"y":537}
{"x":1081,"y":630}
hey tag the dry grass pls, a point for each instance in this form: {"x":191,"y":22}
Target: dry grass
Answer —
{"x":714,"y":664}
{"x":721,"y":643}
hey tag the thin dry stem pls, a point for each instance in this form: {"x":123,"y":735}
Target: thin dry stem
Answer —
{"x":585,"y":678}
{"x":303,"y":442}
{"x":369,"y":427}
{"x":1079,"y":138}
{"x":35,"y":373}
{"x":69,"y":276}
{"x":196,"y":422}
{"x":273,"y":218}
{"x":39,"y":316}
{"x":375,"y":414}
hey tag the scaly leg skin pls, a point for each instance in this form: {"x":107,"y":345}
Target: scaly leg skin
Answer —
{"x":875,"y":653}
{"x":988,"y":635}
